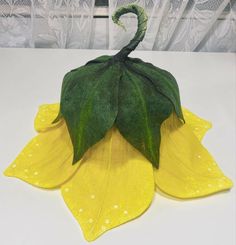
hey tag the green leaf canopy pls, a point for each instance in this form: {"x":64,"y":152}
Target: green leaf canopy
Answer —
{"x":130,"y":94}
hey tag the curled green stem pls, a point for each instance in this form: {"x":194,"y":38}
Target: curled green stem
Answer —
{"x":140,"y":33}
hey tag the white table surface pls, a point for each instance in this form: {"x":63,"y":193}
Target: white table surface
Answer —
{"x":31,"y":216}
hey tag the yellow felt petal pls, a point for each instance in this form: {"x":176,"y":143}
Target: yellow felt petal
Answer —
{"x":198,"y":125}
{"x":45,"y":116}
{"x":187,"y":170}
{"x":46,"y":161}
{"x":113,"y":185}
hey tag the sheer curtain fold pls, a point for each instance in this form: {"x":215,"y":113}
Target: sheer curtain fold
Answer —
{"x":64,"y":23}
{"x":46,"y":23}
{"x":175,"y":25}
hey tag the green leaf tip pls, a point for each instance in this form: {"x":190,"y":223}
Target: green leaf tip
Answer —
{"x":134,"y":96}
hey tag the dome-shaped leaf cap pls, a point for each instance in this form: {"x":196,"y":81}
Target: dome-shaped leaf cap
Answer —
{"x":130,"y":94}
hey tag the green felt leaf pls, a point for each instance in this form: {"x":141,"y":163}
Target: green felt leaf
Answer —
{"x":89,"y":104}
{"x":163,"y":81}
{"x":142,"y":109}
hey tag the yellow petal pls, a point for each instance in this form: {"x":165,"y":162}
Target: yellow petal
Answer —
{"x":186,"y":169}
{"x":113,"y":185}
{"x":45,"y":116}
{"x":46,"y":161}
{"x":198,"y":125}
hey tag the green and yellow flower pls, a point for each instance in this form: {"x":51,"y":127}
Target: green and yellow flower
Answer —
{"x":118,"y":134}
{"x":114,"y":183}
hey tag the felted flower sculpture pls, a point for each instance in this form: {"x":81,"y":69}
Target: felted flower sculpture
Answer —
{"x":119,"y":133}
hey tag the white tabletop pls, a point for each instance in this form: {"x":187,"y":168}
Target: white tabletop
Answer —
{"x":31,"y":216}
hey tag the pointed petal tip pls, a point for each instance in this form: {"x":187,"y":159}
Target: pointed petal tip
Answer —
{"x":10,"y":170}
{"x":46,"y":116}
{"x":91,"y":236}
{"x":213,"y":186}
{"x":198,"y":125}
{"x":7,"y":172}
{"x":229,"y":183}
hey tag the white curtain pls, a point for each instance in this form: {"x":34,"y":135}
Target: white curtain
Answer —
{"x":46,"y":23}
{"x":175,"y":25}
